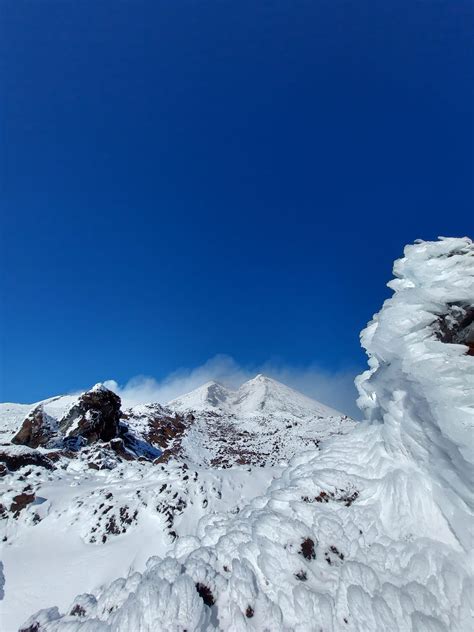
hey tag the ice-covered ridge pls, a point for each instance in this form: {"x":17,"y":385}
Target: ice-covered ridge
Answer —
{"x":434,"y":423}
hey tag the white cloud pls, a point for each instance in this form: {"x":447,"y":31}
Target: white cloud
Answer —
{"x":335,"y":389}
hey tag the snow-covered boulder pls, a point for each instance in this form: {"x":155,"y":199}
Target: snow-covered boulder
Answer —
{"x":15,"y":457}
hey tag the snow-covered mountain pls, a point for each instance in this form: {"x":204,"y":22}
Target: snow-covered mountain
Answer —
{"x":260,"y":397}
{"x":92,"y":491}
{"x":264,"y":422}
{"x":371,"y":532}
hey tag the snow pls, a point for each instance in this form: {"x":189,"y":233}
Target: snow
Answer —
{"x":11,"y":418}
{"x":209,"y":396}
{"x":434,"y":423}
{"x":75,"y":505}
{"x":12,"y":415}
{"x":63,"y":554}
{"x":99,"y":387}
{"x":259,"y":396}
{"x":264,"y":422}
{"x":17,"y":450}
{"x":57,"y":407}
{"x":370,"y":533}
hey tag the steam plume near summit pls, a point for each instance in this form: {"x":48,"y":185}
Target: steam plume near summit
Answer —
{"x":335,"y":389}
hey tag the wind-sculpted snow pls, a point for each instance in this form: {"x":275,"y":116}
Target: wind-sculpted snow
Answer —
{"x":419,"y":387}
{"x":369,"y":534}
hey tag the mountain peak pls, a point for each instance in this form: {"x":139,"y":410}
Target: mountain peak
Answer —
{"x":260,"y":378}
{"x":209,"y":396}
{"x":210,"y":384}
{"x":261,"y":395}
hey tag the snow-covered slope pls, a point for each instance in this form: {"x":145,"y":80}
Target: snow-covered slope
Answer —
{"x":211,"y":396}
{"x":91,"y":492}
{"x":11,"y":418}
{"x":261,"y":396}
{"x":83,"y":528}
{"x":372,"y":533}
{"x":263,"y":423}
{"x":265,"y":396}
{"x":12,"y":415}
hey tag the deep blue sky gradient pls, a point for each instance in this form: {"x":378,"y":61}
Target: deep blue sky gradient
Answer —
{"x":186,"y":178}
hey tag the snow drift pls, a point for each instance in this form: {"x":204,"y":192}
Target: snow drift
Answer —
{"x":371,"y":533}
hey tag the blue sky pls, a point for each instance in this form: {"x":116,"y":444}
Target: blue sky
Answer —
{"x":191,"y":178}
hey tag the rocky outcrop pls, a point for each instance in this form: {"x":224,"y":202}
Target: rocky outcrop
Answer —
{"x":21,"y":501}
{"x":95,"y":417}
{"x":155,"y":432}
{"x":14,"y":458}
{"x":92,"y":428}
{"x":37,"y":430}
{"x":164,"y":429}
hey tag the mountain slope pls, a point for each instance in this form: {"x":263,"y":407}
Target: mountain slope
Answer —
{"x":373,"y":533}
{"x":260,"y":396}
{"x":91,"y":491}
{"x":262,"y":423}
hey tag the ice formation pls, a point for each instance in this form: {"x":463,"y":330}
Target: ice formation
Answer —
{"x":372,"y":533}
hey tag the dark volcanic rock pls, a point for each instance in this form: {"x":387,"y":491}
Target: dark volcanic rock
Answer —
{"x":307,"y":549}
{"x":20,"y":501}
{"x":16,"y":458}
{"x":206,"y":594}
{"x":37,"y":429}
{"x":457,"y":326}
{"x":118,"y":446}
{"x":94,"y":418}
{"x":161,"y":427}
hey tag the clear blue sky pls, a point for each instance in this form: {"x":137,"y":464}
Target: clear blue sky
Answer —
{"x":186,"y":178}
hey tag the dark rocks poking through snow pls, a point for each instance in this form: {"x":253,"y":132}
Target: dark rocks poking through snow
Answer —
{"x":37,"y":430}
{"x":21,"y":501}
{"x":97,"y":429}
{"x":18,"y":503}
{"x":457,"y":326}
{"x":344,"y":496}
{"x":307,"y":549}
{"x":14,"y":458}
{"x":92,"y":426}
{"x":95,"y":417}
{"x":205,"y":594}
{"x":78,"y":611}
